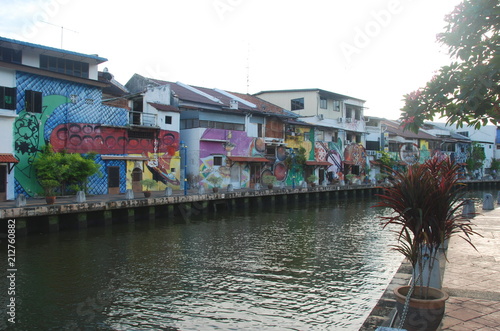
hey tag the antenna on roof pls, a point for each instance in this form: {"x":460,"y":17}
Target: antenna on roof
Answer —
{"x":62,"y":30}
{"x":248,"y":68}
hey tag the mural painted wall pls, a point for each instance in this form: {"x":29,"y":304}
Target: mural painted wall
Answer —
{"x":74,"y":119}
{"x":355,"y":154}
{"x":331,"y":153}
{"x":227,"y":143}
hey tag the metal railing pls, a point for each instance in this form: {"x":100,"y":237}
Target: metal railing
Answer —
{"x":142,"y":119}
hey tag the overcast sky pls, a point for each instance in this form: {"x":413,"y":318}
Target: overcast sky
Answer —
{"x":375,"y":50}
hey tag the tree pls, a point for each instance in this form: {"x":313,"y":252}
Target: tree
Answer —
{"x":387,"y":164}
{"x":467,"y":90}
{"x":67,"y":169}
{"x":476,"y":157}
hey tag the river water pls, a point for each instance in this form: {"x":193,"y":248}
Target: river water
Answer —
{"x":322,"y":266}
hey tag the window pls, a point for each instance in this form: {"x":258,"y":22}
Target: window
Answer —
{"x":320,"y":135}
{"x":217,"y":160}
{"x":271,"y":151}
{"x":195,"y":123}
{"x":8,"y":98}
{"x":372,"y":145}
{"x":323,"y":103}
{"x":348,"y":113}
{"x":64,"y":66}
{"x":168,"y":119}
{"x":141,"y":135}
{"x":259,"y":129}
{"x":336,"y":105}
{"x":297,"y":104}
{"x":33,"y":101}
{"x":10,"y":55}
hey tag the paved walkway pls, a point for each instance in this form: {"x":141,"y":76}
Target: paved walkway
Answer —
{"x":472,"y":278}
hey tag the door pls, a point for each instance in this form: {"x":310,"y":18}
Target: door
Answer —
{"x":136,"y":180}
{"x":255,"y":170}
{"x":3,"y":182}
{"x":113,"y":180}
{"x":322,"y":176}
{"x":235,"y":176}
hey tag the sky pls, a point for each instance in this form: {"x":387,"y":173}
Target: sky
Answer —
{"x":375,"y":50}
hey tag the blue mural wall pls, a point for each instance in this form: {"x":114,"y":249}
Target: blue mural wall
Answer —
{"x":63,"y":102}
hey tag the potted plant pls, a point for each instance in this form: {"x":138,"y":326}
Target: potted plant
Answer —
{"x":312,"y":179}
{"x":149,"y":183}
{"x":424,"y":200}
{"x":216,"y":182}
{"x":49,"y":187}
{"x":380,"y":177}
{"x":269,"y":180}
{"x":350,"y":178}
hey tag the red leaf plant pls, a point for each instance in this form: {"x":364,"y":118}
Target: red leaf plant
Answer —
{"x":425,"y":200}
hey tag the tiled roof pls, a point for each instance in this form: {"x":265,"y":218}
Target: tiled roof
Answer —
{"x":262,"y":105}
{"x":186,"y":94}
{"x":8,"y":158}
{"x":163,"y":107}
{"x":396,"y":128}
{"x":217,"y":99}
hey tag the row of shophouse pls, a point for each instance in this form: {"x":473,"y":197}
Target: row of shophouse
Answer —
{"x":179,"y":134}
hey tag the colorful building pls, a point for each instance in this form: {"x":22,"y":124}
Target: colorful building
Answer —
{"x":56,"y":96}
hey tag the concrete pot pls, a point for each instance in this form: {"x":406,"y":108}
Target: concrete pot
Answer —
{"x":423,"y":314}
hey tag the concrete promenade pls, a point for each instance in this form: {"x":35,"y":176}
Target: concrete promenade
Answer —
{"x":472,"y":278}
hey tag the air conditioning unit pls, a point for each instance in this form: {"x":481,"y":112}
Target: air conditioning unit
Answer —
{"x":347,"y":142}
{"x":371,"y":153}
{"x":348,"y":120}
{"x":340,"y":119}
{"x":233,"y":104}
{"x":320,"y":117}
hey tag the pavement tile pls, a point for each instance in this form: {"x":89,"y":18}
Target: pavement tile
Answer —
{"x":493,"y":325}
{"x":475,"y":276}
{"x":450,"y":322}
{"x":494,"y":317}
{"x":482,"y":308}
{"x":464,"y":314}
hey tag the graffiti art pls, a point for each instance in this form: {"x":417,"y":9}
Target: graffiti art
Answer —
{"x":87,"y":137}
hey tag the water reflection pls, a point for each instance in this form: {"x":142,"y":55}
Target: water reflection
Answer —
{"x":290,"y":268}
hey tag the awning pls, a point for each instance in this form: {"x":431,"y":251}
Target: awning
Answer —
{"x":9,"y":159}
{"x":247,"y":159}
{"x":318,"y":163}
{"x":125,"y":157}
{"x":348,"y":162}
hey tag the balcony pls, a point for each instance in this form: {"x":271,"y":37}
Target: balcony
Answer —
{"x":142,"y":119}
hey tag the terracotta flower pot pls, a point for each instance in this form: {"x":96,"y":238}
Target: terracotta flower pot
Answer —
{"x":423,"y":314}
{"x":50,"y":200}
{"x":147,"y":194}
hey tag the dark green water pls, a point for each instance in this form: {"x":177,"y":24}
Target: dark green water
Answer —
{"x":319,"y":267}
